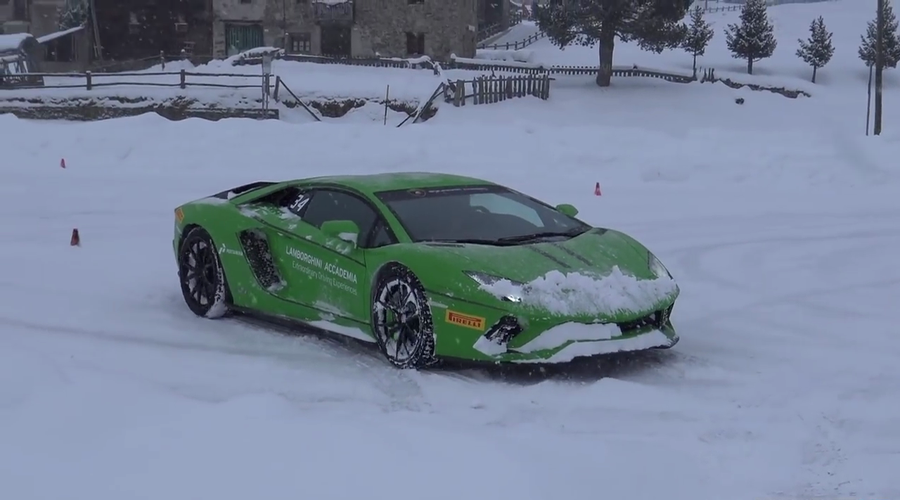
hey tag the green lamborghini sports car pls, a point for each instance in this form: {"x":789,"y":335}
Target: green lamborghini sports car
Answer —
{"x":426,"y":266}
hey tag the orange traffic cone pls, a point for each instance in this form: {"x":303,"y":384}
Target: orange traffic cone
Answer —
{"x":62,"y":163}
{"x":597,"y":189}
{"x":76,"y":239}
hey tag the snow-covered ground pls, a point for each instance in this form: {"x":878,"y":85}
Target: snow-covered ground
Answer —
{"x":846,"y":18}
{"x":778,"y":218}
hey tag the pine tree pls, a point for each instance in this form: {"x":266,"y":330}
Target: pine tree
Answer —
{"x":73,"y":14}
{"x":654,"y":24}
{"x":754,"y":38}
{"x":698,"y":35}
{"x":891,"y":39}
{"x":816,"y":51}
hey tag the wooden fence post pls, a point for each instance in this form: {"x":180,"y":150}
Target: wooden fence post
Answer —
{"x":183,"y":76}
{"x":476,"y":91}
{"x":90,"y":84}
{"x":387,"y":98}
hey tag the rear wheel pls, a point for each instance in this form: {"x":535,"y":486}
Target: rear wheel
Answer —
{"x":401,"y":318}
{"x":201,"y":274}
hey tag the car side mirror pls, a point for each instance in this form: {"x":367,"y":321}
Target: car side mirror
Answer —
{"x":345,"y":230}
{"x":567,"y":209}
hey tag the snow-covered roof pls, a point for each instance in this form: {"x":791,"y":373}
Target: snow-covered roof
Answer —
{"x":13,"y":41}
{"x":58,"y":34}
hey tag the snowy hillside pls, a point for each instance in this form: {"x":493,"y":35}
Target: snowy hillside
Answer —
{"x":778,"y":218}
{"x":843,"y":81}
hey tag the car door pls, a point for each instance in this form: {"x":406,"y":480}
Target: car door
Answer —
{"x":321,"y":270}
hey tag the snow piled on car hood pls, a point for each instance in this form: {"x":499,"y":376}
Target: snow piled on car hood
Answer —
{"x":576,"y":294}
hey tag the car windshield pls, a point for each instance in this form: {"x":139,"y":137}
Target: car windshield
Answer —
{"x":477,"y":214}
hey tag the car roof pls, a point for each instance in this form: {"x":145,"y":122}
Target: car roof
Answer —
{"x":390,"y":181}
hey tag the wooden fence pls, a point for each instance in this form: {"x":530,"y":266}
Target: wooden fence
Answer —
{"x":733,"y":5}
{"x":492,"y":89}
{"x":569,"y":70}
{"x":722,"y":8}
{"x":487,"y":65}
{"x":489,"y":31}
{"x":91,"y":80}
{"x":112,"y":66}
{"x":520,"y":44}
{"x":372,"y":62}
{"x":515,"y":17}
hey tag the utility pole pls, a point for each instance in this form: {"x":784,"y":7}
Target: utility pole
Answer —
{"x":879,"y":66}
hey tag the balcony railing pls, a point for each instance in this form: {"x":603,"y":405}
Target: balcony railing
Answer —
{"x":333,"y":11}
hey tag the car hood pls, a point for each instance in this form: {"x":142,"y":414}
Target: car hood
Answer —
{"x":595,"y":276}
{"x":594,"y":252}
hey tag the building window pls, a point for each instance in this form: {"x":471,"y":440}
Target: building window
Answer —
{"x":21,"y":12}
{"x":60,"y":49}
{"x":134,"y":25}
{"x":181,"y":26}
{"x":415,"y":44}
{"x":300,"y":43}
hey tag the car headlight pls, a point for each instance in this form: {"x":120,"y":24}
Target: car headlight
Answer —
{"x":506,"y":289}
{"x":657,"y":267}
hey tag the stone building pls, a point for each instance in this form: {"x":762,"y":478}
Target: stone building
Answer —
{"x":38,"y":17}
{"x":348,"y":28}
{"x":138,"y":29}
{"x":493,"y":14}
{"x":57,"y":49}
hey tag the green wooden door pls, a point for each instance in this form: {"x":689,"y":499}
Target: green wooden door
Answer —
{"x":241,"y":37}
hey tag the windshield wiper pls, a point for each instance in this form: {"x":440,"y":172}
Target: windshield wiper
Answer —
{"x":545,"y":234}
{"x":470,"y":241}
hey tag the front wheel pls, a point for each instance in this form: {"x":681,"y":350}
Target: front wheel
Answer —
{"x":201,"y":274}
{"x":401,"y":318}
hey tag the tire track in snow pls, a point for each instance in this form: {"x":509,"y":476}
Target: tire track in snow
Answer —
{"x":823,"y":459}
{"x":695,"y":258}
{"x":274,"y":343}
{"x":106,"y":336}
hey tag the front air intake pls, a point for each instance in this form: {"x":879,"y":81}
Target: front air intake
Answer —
{"x":504,"y":330}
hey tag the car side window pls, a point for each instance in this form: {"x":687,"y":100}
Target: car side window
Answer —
{"x":329,"y":205}
{"x":298,"y":204}
{"x":381,"y":236}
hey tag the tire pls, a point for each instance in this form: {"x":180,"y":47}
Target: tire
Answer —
{"x":401,"y":318}
{"x":202,"y":277}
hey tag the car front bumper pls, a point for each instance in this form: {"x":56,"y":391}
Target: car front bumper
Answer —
{"x":465,"y":330}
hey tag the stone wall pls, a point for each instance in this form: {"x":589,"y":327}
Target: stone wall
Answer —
{"x":104,"y":108}
{"x":494,"y":12}
{"x":449,"y":27}
{"x":380,"y":25}
{"x":45,"y":16}
{"x":226,"y":11}
{"x":292,"y":17}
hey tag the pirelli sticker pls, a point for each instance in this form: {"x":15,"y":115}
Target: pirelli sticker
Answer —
{"x":464,"y":320}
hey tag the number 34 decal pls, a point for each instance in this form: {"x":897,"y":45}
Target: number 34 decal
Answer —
{"x":299,"y":203}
